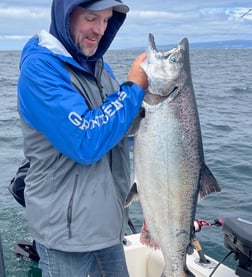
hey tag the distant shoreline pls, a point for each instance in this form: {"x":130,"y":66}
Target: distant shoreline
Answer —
{"x":226,"y":44}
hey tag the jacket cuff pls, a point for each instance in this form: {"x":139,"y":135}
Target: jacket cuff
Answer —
{"x":127,"y":83}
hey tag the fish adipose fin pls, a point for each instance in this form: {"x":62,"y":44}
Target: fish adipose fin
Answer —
{"x":208,"y":183}
{"x":132,"y":195}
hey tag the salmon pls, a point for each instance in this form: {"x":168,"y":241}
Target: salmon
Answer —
{"x":169,"y":168}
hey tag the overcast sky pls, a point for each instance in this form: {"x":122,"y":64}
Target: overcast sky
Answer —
{"x":168,"y":20}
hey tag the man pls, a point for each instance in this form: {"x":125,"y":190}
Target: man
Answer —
{"x":74,"y":116}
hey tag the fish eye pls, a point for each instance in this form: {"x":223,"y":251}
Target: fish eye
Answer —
{"x":173,"y":59}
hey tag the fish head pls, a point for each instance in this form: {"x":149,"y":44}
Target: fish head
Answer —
{"x":166,"y":70}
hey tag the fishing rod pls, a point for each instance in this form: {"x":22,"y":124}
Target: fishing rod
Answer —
{"x":198,"y":224}
{"x":246,"y":13}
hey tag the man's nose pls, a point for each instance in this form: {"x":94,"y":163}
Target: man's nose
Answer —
{"x":100,"y":28}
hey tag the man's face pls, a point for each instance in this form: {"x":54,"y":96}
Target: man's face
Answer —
{"x":87,"y":28}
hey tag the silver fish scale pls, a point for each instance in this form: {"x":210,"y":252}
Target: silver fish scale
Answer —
{"x":165,"y":184}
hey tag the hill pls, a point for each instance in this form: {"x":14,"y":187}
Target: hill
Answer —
{"x":222,"y":44}
{"x":226,"y":44}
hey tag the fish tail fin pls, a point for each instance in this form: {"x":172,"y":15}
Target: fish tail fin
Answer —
{"x":187,"y":273}
{"x":132,"y":195}
{"x":208,"y":183}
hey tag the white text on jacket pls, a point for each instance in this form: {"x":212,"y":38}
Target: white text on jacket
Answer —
{"x":108,"y":112}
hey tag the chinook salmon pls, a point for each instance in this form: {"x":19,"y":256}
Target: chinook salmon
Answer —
{"x":169,"y":167}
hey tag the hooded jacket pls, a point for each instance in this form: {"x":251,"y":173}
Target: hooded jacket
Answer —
{"x":74,"y":123}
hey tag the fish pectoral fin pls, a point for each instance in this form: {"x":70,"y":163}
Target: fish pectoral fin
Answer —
{"x":132,"y":195}
{"x":208,"y":183}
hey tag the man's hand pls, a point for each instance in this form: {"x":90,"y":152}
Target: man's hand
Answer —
{"x":136,"y":73}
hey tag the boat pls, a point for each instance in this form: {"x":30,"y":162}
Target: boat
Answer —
{"x":143,"y":261}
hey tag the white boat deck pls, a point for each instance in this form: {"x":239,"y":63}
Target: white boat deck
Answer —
{"x":143,"y":261}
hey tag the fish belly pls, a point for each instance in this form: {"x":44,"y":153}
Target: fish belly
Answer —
{"x":166,"y":167}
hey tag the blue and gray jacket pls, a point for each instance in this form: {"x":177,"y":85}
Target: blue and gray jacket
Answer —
{"x":74,"y":122}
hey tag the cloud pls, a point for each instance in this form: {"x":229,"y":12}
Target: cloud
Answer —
{"x":22,"y":22}
{"x":14,"y":37}
{"x":24,"y":13}
{"x":169,"y":20}
{"x":146,"y":14}
{"x":225,"y":13}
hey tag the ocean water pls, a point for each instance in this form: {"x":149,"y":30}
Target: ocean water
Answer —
{"x":223,"y":86}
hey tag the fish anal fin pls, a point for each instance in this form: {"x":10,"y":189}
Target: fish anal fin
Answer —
{"x":132,"y":195}
{"x":208,"y":183}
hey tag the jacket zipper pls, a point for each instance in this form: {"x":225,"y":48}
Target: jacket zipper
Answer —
{"x":98,"y":81}
{"x":70,"y":208}
{"x":110,"y":157}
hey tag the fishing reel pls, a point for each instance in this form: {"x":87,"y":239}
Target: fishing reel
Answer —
{"x":198,"y":224}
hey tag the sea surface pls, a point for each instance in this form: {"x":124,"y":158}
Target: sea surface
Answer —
{"x":223,"y":86}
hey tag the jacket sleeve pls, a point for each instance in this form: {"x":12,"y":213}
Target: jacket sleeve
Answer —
{"x":48,"y":103}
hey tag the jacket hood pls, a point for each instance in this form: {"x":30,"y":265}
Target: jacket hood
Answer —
{"x":60,"y":14}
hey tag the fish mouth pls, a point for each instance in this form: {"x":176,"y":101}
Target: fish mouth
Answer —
{"x":166,"y":83}
{"x":154,"y":99}
{"x":152,"y":42}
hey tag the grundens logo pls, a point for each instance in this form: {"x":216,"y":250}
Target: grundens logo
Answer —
{"x":109,"y":111}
